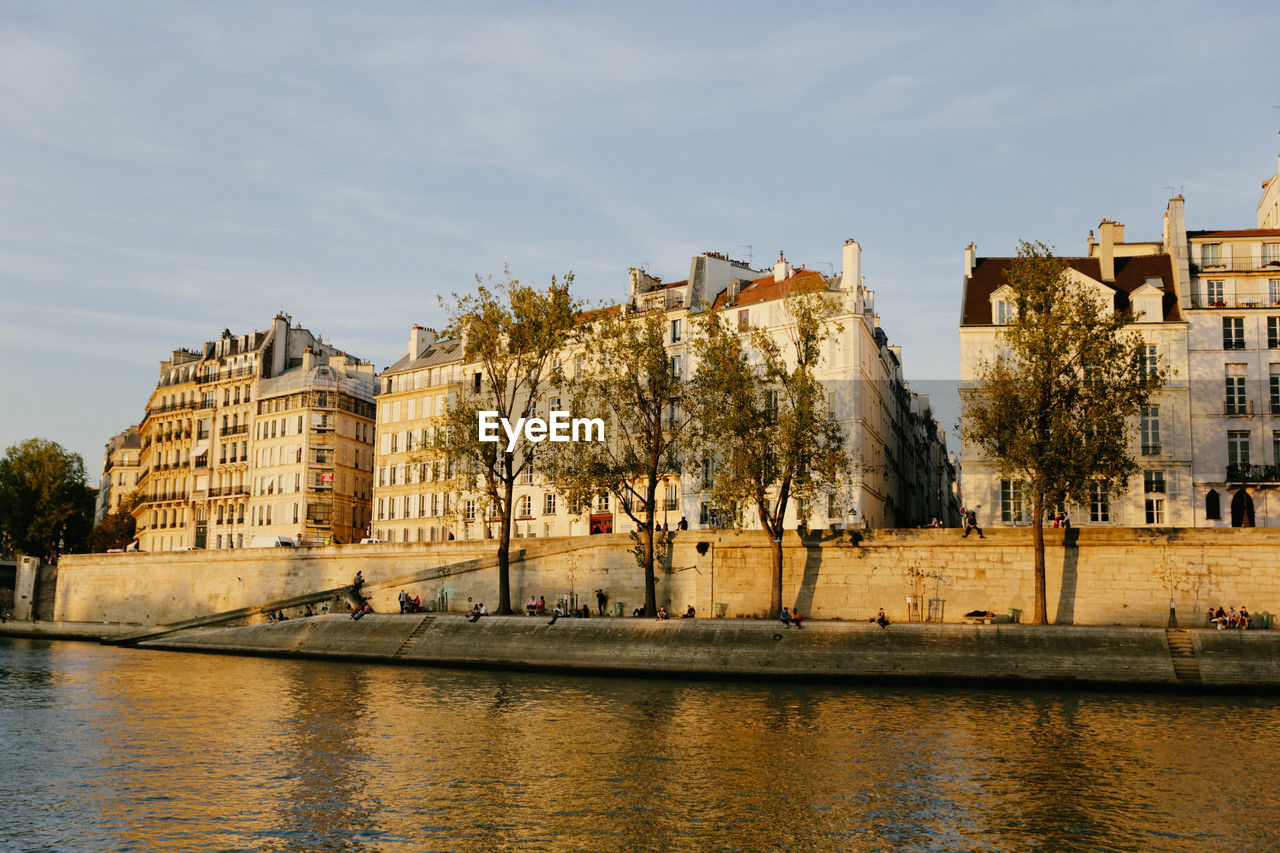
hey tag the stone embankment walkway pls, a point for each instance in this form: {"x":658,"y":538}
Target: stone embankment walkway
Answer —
{"x":835,"y":651}
{"x":1114,"y":657}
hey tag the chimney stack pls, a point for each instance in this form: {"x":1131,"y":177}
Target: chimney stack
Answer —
{"x":970,"y":259}
{"x":852,"y":272}
{"x":419,"y":340}
{"x":1110,"y":233}
{"x":781,"y":270}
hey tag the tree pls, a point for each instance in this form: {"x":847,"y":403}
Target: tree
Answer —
{"x":1055,"y":406}
{"x":117,"y":528}
{"x":766,"y":421}
{"x":43,"y":499}
{"x":513,"y":334}
{"x":625,"y":377}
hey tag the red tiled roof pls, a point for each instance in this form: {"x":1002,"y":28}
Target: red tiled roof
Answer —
{"x":675,"y":284}
{"x":989,"y":275}
{"x":1246,"y":232}
{"x":764,"y":289}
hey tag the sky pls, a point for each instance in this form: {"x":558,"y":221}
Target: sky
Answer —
{"x":170,"y":169}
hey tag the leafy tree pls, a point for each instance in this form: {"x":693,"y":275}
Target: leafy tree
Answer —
{"x":764,"y":417}
{"x":512,"y":333}
{"x":1055,"y":406}
{"x":117,"y":528}
{"x":43,"y":499}
{"x":625,"y":377}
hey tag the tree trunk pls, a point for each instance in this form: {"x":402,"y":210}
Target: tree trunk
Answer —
{"x":504,"y":554}
{"x":650,"y":585}
{"x":1040,"y":616}
{"x":775,"y":594}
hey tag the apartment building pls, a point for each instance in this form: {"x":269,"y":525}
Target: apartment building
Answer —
{"x":1207,"y":303}
{"x":120,"y":471}
{"x":268,"y":433}
{"x":902,"y":477}
{"x":413,"y":496}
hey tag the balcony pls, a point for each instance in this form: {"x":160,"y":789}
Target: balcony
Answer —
{"x":229,"y":492}
{"x":1237,"y":408}
{"x":243,"y":429}
{"x":1249,"y":264}
{"x":1234,"y":301}
{"x":1246,"y":473}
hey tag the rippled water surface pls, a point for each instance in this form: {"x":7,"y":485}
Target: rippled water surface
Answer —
{"x":110,"y":749}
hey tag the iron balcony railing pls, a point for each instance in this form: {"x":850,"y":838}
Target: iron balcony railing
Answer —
{"x":1233,"y":264}
{"x":1234,"y":301}
{"x":1247,"y":473}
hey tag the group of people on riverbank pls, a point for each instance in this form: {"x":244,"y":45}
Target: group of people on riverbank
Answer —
{"x":1224,"y":619}
{"x":410,"y":605}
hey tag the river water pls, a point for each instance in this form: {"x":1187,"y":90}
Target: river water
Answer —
{"x":113,"y":749}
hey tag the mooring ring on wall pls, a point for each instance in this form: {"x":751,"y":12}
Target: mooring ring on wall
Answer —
{"x":777,"y":636}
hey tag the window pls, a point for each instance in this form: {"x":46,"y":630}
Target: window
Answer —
{"x":1270,"y":253}
{"x":1150,"y":355}
{"x":469,"y":510}
{"x":1005,"y":312}
{"x":1275,"y":389}
{"x":1233,"y":333}
{"x":676,"y":372}
{"x":1099,"y":504}
{"x":672,"y":498}
{"x":1238,"y":448}
{"x":1213,"y":293}
{"x":704,"y":514}
{"x":1211,"y":255}
{"x":1273,"y":332}
{"x":549,"y":503}
{"x":706,"y":473}
{"x":1150,"y":420}
{"x":1236,"y":401}
{"x":1273,"y":290}
{"x":675,"y":331}
{"x":1275,"y":447}
{"x":475,"y":382}
{"x":1153,"y":487}
{"x":524,"y":507}
{"x":744,"y":319}
{"x":1212,"y":506}
{"x":1013,"y":503}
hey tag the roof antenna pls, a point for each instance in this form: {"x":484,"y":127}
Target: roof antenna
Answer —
{"x":747,"y":246}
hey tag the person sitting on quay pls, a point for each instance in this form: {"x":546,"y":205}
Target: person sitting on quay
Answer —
{"x":477,"y":612}
{"x":358,"y":612}
{"x":662,"y":613}
{"x":1220,"y":619}
{"x":542,"y":605}
{"x":639,"y":611}
{"x":796,"y":618}
{"x":785,"y":617}
{"x":556,"y":614}
{"x":690,"y":613}
{"x":1245,"y":619}
{"x":532,"y":607}
{"x":881,"y":620}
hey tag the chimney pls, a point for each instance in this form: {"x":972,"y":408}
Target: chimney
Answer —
{"x":279,"y":343}
{"x":970,"y":259}
{"x":782,"y":269}
{"x":308,"y":360}
{"x":419,"y":340}
{"x":1107,"y":230}
{"x":852,"y":271}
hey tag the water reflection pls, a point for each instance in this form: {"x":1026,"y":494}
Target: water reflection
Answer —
{"x":130,"y":750}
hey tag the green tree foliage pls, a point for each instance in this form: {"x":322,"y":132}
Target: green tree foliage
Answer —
{"x":513,"y":333}
{"x":43,"y":499}
{"x":624,"y":377}
{"x":117,"y":529}
{"x":763,"y":416}
{"x":1055,"y":406}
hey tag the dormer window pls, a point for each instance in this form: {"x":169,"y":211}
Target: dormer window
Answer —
{"x":1005,"y":312}
{"x":1211,"y":255}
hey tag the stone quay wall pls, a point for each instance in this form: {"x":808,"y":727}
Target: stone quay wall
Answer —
{"x":1095,"y":576}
